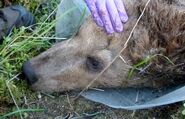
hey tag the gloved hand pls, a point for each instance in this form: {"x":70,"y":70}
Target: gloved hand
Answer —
{"x":108,"y":14}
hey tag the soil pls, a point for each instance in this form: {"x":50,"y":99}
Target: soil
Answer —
{"x":63,"y":106}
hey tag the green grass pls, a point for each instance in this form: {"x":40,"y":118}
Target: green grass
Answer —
{"x":21,"y":111}
{"x":144,"y":63}
{"x":21,"y":46}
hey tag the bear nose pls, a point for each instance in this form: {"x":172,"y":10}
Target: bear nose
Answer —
{"x":29,"y":73}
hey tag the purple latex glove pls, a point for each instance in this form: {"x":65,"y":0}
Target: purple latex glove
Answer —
{"x":108,"y":14}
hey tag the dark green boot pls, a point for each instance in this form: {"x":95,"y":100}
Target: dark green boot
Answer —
{"x":14,"y":16}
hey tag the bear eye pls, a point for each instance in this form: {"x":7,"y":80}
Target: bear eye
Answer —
{"x":94,"y":64}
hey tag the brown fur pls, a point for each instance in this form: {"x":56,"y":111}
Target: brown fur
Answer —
{"x":7,"y":2}
{"x":74,"y":64}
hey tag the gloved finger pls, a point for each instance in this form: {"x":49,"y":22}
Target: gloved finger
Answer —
{"x":121,"y":10}
{"x":91,"y":4}
{"x":104,"y":15}
{"x":114,"y":16}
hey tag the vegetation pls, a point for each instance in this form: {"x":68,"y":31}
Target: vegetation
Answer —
{"x":21,"y":45}
{"x":17,"y":100}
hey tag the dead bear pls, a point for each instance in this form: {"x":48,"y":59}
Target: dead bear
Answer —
{"x":154,"y":54}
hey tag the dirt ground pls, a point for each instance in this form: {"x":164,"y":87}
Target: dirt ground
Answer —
{"x":63,"y":106}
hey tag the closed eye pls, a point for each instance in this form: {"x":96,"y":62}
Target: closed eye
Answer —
{"x":94,"y":64}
